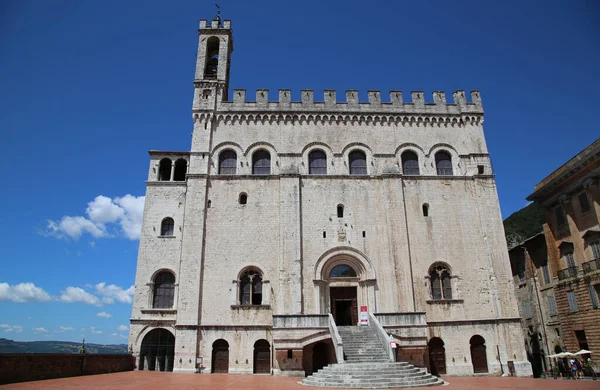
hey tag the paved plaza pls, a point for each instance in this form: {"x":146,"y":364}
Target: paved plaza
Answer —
{"x":160,"y":380}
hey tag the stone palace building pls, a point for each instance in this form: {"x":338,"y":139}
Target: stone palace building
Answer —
{"x":288,"y":219}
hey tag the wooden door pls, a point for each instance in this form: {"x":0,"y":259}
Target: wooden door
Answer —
{"x":262,"y":357}
{"x":354,"y":308}
{"x":344,"y":294}
{"x":220,"y":357}
{"x":437,"y":357}
{"x":478,"y":355}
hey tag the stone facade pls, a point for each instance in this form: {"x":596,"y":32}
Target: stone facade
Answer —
{"x":290,"y":216}
{"x":570,"y":198}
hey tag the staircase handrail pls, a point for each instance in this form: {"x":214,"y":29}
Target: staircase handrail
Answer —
{"x":382,"y":336}
{"x":337,"y":340}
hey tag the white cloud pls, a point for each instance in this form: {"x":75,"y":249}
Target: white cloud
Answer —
{"x":23,"y":292}
{"x":77,"y":294}
{"x":65,"y":328}
{"x":39,"y":330}
{"x":123,"y":328}
{"x":104,"y":314}
{"x":118,"y":335}
{"x":11,"y":328}
{"x":94,"y":331}
{"x":112,"y":292}
{"x":103,"y":214}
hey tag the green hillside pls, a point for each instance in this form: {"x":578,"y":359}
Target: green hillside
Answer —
{"x":10,"y":346}
{"x":523,"y":224}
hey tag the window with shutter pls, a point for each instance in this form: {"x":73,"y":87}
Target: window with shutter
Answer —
{"x":594,"y":295}
{"x":551,"y":305}
{"x":584,"y":205}
{"x":546,"y":274}
{"x":570,"y":260}
{"x":527,"y":309}
{"x":596,"y":249}
{"x":572,"y":301}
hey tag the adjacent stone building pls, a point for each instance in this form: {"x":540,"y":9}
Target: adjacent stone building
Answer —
{"x":287,"y":219}
{"x":570,"y":198}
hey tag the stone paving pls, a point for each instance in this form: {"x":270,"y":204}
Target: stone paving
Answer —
{"x":161,"y":380}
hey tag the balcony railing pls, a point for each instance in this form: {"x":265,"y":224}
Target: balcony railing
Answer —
{"x":591,"y":266}
{"x":567,"y":273}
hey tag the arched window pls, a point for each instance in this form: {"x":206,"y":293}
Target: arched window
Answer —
{"x":261,"y":163}
{"x":180,"y":170}
{"x":317,"y":163}
{"x":212,"y":58}
{"x":440,"y":283}
{"x":227,"y":162}
{"x":250,"y":288}
{"x":425,"y":210}
{"x":340,"y":211}
{"x":164,"y":169}
{"x":164,"y":290}
{"x":243,"y":198}
{"x":443,"y":163}
{"x":167,"y":227}
{"x":342,"y":271}
{"x":410,"y":163}
{"x":357,"y":162}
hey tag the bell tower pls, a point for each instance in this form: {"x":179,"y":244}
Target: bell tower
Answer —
{"x":212,"y":65}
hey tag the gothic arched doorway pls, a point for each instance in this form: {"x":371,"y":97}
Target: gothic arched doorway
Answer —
{"x":220,"y":357}
{"x":262,"y":357}
{"x":478,"y":354}
{"x":437,"y":357}
{"x":158,"y":351}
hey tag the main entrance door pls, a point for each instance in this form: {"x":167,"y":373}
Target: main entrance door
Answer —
{"x":344,"y":307}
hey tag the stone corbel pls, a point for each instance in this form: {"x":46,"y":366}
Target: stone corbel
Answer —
{"x":588,"y":183}
{"x":564,"y":198}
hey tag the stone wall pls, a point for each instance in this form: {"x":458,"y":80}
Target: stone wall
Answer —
{"x":32,"y":367}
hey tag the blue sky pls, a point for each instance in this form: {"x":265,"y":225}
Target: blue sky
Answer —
{"x":88,"y":87}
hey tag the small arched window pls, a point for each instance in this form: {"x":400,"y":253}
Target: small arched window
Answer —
{"x":250,"y":288}
{"x":410,"y":163}
{"x":342,"y":271}
{"x":227,"y":162}
{"x":317,"y":163}
{"x":212,"y":57}
{"x":164,"y":170}
{"x":440,"y":283}
{"x":261,"y":163}
{"x":357,"y":161}
{"x":167,"y":227}
{"x":443,"y":163}
{"x":425,"y":210}
{"x":180,"y":170}
{"x":164,"y":290}
{"x":340,"y":211}
{"x":243,"y":198}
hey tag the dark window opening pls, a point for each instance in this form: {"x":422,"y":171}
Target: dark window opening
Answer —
{"x":584,"y":205}
{"x":164,"y":290}
{"x":227,"y":162}
{"x":290,"y":354}
{"x":410,"y":163}
{"x":441,"y":287}
{"x":342,"y":271}
{"x":358,"y":163}
{"x":560,"y":216}
{"x":480,"y":169}
{"x":180,"y":170}
{"x":164,"y":170}
{"x":317,"y":163}
{"x":167,"y":227}
{"x":340,"y":211}
{"x":364,"y":234}
{"x":425,"y":210}
{"x":324,"y":234}
{"x":243,"y":198}
{"x":212,"y":58}
{"x":443,"y":163}
{"x":261,"y":163}
{"x":251,"y":288}
{"x":209,"y":204}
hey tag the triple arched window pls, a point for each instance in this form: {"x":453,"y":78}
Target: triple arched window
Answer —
{"x":443,"y":163}
{"x":357,"y":161}
{"x":441,"y":287}
{"x":261,"y":163}
{"x":410,"y":163}
{"x":317,"y":163}
{"x":164,"y":290}
{"x":250,"y":287}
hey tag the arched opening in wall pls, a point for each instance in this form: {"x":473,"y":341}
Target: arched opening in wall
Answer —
{"x":164,"y":170}
{"x":261,"y":163}
{"x":262,"y":357}
{"x":534,"y":355}
{"x":340,"y":211}
{"x":437,"y":356}
{"x":164,"y":290}
{"x":317,"y":163}
{"x":250,"y":283}
{"x":410,"y":163}
{"x":220,"y":357}
{"x":212,"y":58}
{"x":478,"y":354}
{"x":320,"y":356}
{"x":157,"y":351}
{"x":167,"y":227}
{"x":425,"y":209}
{"x":557,"y":349}
{"x":440,"y":279}
{"x":243,"y":198}
{"x":357,"y":162}
{"x":227,"y":162}
{"x":443,"y":163}
{"x":180,"y":170}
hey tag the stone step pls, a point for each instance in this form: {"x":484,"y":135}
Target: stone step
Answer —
{"x":370,"y":370}
{"x":374,"y":381}
{"x":369,"y":366}
{"x":358,"y":375}
{"x":380,"y":385}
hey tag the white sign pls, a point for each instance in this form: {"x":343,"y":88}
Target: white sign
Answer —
{"x":364,"y":317}
{"x":393,"y":344}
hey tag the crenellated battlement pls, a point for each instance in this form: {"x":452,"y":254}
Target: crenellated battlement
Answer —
{"x":214,"y":24}
{"x":416,"y":104}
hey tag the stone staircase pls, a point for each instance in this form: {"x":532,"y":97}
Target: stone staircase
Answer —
{"x":367,"y":366}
